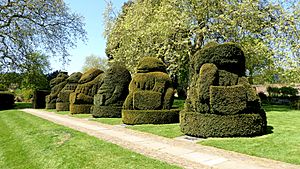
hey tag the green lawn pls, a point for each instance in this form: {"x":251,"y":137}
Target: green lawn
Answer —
{"x":68,"y":113}
{"x":165,"y":130}
{"x":282,"y":143}
{"x":110,"y":121}
{"x":30,"y":142}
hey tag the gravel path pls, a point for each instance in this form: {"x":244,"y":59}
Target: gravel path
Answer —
{"x":175,"y":151}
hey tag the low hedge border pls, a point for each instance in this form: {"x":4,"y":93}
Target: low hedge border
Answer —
{"x":50,"y":105}
{"x":150,"y":116}
{"x":106,"y":111}
{"x":212,"y":125}
{"x":80,"y":108}
{"x":62,"y":106}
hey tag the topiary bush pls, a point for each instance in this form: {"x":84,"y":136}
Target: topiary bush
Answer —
{"x":7,"y":100}
{"x":150,"y":93}
{"x":56,"y":84}
{"x":111,"y":95}
{"x":221,"y":102}
{"x":82,"y":98}
{"x":62,"y":101}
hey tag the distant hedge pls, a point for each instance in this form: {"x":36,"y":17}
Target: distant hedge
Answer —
{"x":284,"y":91}
{"x":7,"y":100}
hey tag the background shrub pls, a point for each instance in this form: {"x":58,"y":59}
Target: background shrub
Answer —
{"x":7,"y":100}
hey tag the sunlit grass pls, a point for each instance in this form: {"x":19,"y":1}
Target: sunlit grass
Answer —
{"x":27,"y":141}
{"x":282,"y":143}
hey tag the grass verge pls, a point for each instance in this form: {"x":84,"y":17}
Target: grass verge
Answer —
{"x":165,"y":130}
{"x":27,"y":141}
{"x":282,"y":143}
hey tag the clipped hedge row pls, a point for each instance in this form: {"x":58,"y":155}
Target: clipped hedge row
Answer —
{"x":150,"y":116}
{"x":62,"y":106}
{"x":80,"y":108}
{"x":7,"y":100}
{"x":106,"y":111}
{"x":212,"y":125}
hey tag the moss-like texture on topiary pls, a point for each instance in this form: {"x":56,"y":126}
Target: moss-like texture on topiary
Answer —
{"x":150,"y":116}
{"x":82,"y":98}
{"x":212,"y":125}
{"x":150,"y":90}
{"x":39,"y":99}
{"x":56,"y":84}
{"x":63,"y":102}
{"x":7,"y":100}
{"x":221,"y":102}
{"x":111,"y":95}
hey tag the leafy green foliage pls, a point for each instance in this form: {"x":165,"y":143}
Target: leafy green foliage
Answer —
{"x":93,"y":61}
{"x":173,"y":30}
{"x":284,"y":91}
{"x":29,"y":26}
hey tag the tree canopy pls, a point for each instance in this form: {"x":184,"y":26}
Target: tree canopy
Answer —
{"x":93,"y":61}
{"x":28,"y":26}
{"x":268,"y":32}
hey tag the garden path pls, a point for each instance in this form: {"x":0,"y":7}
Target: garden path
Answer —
{"x":186,"y":154}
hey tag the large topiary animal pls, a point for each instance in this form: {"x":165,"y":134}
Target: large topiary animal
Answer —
{"x":221,"y":102}
{"x":63,"y":102}
{"x":111,"y":95}
{"x":56,"y":84}
{"x":150,"y":95}
{"x":82,"y":99}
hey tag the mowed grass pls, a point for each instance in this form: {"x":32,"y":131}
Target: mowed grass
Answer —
{"x":282,"y":143}
{"x":27,"y":141}
{"x":165,"y":130}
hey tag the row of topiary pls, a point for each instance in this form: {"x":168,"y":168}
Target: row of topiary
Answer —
{"x":220,"y":102}
{"x":113,"y":93}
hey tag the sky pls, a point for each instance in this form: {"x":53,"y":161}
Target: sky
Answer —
{"x":92,"y":11}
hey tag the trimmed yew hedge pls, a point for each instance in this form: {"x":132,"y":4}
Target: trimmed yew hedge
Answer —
{"x":7,"y":100}
{"x":80,"y":108}
{"x":227,"y":100}
{"x":150,"y":116}
{"x":212,"y":125}
{"x":221,"y":102}
{"x":106,"y":111}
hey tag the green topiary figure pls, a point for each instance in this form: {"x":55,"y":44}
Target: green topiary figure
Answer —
{"x":56,"y":84}
{"x":150,"y":95}
{"x":63,"y":102}
{"x":110,"y":97}
{"x":82,"y":99}
{"x":221,"y":102}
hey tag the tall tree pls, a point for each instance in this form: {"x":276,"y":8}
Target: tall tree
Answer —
{"x":93,"y":61}
{"x":267,"y":30}
{"x":28,"y":26}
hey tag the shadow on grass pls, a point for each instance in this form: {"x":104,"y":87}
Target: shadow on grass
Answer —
{"x":269,"y":130}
